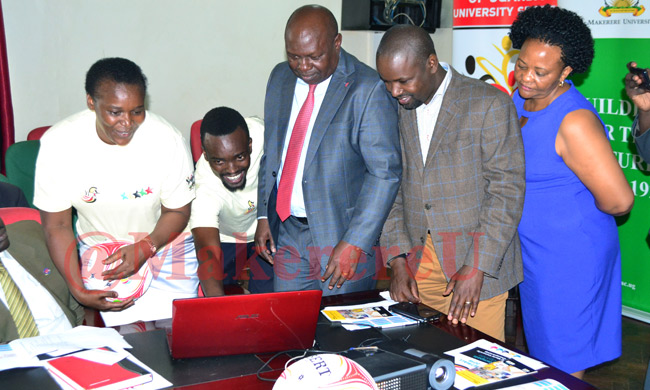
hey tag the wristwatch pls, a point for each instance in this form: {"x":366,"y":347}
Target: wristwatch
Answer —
{"x":404,"y":255}
{"x":152,"y":246}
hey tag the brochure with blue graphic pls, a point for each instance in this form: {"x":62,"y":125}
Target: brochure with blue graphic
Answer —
{"x":369,"y":315}
{"x":483,"y":362}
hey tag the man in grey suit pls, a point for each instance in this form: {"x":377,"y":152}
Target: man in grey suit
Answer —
{"x":347,"y":167}
{"x":46,"y":293}
{"x":451,"y":236}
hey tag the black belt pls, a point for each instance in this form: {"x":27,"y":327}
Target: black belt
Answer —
{"x":302,"y":220}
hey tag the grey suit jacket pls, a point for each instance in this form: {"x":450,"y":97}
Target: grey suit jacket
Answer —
{"x":470,"y":192}
{"x":353,"y":166}
{"x":27,"y":246}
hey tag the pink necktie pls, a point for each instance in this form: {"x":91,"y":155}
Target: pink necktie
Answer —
{"x":283,"y":206}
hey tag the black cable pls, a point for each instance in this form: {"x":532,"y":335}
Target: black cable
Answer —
{"x":304,"y":353}
{"x":266,"y":363}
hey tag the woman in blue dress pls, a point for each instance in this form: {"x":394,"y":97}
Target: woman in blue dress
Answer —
{"x":571,"y":294}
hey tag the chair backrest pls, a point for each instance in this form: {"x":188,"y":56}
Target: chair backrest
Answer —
{"x":37,"y":133}
{"x":20,"y":163}
{"x":195,"y":140}
{"x":14,"y":214}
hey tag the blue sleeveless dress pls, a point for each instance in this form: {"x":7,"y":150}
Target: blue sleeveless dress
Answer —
{"x":571,"y":293}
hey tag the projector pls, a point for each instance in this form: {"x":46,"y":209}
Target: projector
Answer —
{"x":396,"y":365}
{"x":391,"y":371}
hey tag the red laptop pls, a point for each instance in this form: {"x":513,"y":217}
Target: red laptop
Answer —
{"x":239,"y":324}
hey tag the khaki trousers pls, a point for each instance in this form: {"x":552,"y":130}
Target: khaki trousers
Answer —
{"x":491,"y":313}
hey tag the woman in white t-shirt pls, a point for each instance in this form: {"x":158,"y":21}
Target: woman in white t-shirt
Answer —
{"x":129,"y":176}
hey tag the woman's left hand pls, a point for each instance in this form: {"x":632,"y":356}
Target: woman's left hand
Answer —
{"x":133,"y":258}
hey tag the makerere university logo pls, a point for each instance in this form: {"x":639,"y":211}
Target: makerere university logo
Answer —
{"x":621,"y":6}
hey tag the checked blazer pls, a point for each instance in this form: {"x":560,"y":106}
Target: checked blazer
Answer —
{"x":27,"y":246}
{"x":470,"y":192}
{"x":353,"y":165}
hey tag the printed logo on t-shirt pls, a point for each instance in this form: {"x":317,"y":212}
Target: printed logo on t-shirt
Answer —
{"x":137,"y":194}
{"x":91,"y":195}
{"x":190,"y":181}
{"x":251,"y":207}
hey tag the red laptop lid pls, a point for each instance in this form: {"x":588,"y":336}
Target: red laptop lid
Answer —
{"x":239,"y":324}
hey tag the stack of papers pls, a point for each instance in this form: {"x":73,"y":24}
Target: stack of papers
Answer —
{"x":88,"y":340}
{"x":99,"y":369}
{"x":23,"y":352}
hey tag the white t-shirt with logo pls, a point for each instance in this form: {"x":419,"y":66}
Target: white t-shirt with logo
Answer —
{"x":233,"y":213}
{"x":118,"y":192}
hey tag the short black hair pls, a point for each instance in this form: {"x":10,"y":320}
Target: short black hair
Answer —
{"x":222,"y":121}
{"x":556,"y":26}
{"x":119,"y":70}
{"x":403,"y":37}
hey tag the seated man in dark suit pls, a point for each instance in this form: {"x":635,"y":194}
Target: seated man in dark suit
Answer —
{"x":34,"y":298}
{"x":11,"y":196}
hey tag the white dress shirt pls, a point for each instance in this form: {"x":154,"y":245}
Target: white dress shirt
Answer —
{"x":299,"y":97}
{"x":427,"y":114}
{"x":46,"y":312}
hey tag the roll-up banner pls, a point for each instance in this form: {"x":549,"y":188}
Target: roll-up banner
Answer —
{"x":621,"y":29}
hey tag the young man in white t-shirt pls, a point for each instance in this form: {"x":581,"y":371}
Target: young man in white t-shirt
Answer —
{"x":224,"y":213}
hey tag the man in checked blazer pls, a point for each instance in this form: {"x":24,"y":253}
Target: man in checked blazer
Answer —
{"x":350,"y":165}
{"x":24,"y":254}
{"x":451,"y":236}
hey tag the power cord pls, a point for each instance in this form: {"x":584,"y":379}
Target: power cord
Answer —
{"x":363,"y":347}
{"x":390,"y":6}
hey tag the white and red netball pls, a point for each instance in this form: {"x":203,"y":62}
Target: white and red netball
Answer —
{"x":91,"y":273}
{"x":325,"y":371}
